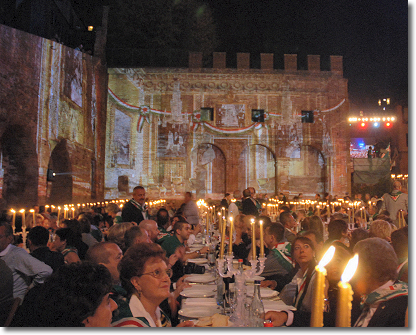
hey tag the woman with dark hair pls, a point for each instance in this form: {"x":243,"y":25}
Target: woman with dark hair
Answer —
{"x":64,"y":243}
{"x":146,"y":277}
{"x":76,"y":295}
{"x":299,"y":291}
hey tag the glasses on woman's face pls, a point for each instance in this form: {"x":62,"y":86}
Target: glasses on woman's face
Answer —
{"x":159,"y":273}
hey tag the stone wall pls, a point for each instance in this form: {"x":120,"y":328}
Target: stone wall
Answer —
{"x":172,"y":147}
{"x":53,"y":114}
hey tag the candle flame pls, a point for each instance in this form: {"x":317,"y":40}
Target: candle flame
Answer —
{"x":350,"y":269}
{"x":22,"y":211}
{"x":327,"y":257}
{"x":261,"y":222}
{"x":12,"y":210}
{"x":230,"y":218}
{"x":32,"y":211}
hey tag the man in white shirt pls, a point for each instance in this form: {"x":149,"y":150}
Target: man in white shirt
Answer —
{"x":27,"y":270}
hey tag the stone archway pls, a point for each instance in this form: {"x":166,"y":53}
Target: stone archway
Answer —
{"x":210,"y":170}
{"x":307,"y":170}
{"x":61,"y":183}
{"x":20,"y":167}
{"x":260,"y":164}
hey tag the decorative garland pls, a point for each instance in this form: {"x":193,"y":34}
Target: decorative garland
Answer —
{"x":196,"y":117}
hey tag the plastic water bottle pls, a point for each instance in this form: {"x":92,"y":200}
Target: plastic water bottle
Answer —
{"x":256,"y":315}
{"x":220,"y":291}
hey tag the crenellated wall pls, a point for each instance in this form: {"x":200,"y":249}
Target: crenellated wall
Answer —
{"x":231,"y":151}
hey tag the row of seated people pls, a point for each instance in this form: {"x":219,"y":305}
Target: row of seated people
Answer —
{"x":136,"y":299}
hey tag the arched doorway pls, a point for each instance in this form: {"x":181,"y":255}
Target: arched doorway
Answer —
{"x":307,"y":170}
{"x":20,"y":167}
{"x":260,"y":165}
{"x":61,"y":183}
{"x":208,"y":170}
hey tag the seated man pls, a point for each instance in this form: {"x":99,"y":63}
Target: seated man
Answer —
{"x":278,"y":266}
{"x":175,"y":244}
{"x":38,"y":238}
{"x":384,"y":299}
{"x":151,"y":227}
{"x":289,"y":222}
{"x":6,"y":291}
{"x":27,"y":270}
{"x":135,"y":235}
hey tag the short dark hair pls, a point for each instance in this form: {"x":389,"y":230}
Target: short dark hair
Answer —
{"x":336,"y":228}
{"x":131,"y":234}
{"x":72,"y":294}
{"x":276,"y":229}
{"x":138,"y":188}
{"x":67,"y":234}
{"x":246,"y":193}
{"x":162,"y":217}
{"x":39,"y":236}
{"x":133,"y":262}
{"x":178,"y":225}
{"x":8,"y":230}
{"x":284,"y":217}
{"x":318,"y":236}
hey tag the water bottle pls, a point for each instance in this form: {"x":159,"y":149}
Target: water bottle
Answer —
{"x":220,"y":291}
{"x":256,"y":315}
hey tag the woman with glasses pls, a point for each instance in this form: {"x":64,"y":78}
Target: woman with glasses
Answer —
{"x":145,"y":275}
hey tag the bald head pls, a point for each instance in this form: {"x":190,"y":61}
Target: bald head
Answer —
{"x":151,"y":227}
{"x":397,"y":185}
{"x":108,"y":254}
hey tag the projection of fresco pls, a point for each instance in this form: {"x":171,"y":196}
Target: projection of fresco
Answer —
{"x":73,"y":76}
{"x":122,"y":138}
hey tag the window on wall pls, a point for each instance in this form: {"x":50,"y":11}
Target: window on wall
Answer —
{"x":123,"y":184}
{"x":257,"y":115}
{"x":207,"y":114}
{"x":307,"y":116}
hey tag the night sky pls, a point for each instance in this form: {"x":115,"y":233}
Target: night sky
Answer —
{"x":371,"y":35}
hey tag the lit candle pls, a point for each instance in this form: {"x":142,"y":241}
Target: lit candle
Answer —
{"x":23,"y":218}
{"x":222,"y":232}
{"x":261,"y":239}
{"x":319,"y":211}
{"x":14,"y":219}
{"x":253,"y":239}
{"x":73,"y":212}
{"x":318,"y":298}
{"x":65,"y":211}
{"x":230,"y":244}
{"x":345,"y":293}
{"x":33,"y":216}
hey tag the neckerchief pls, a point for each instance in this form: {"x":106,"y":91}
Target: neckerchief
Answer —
{"x":383,"y":294}
{"x":282,"y":253}
{"x":137,"y":205}
{"x":395,"y":195}
{"x":378,"y":296}
{"x":300,"y":291}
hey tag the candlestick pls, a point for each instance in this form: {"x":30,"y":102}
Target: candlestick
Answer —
{"x":345,"y":293}
{"x":261,"y":239}
{"x":318,"y":298}
{"x":23,"y":218}
{"x":230,"y":244}
{"x":253,"y":239}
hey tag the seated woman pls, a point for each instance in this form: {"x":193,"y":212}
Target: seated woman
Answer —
{"x":76,"y":295}
{"x":64,"y":243}
{"x":145,"y":276}
{"x":299,"y":291}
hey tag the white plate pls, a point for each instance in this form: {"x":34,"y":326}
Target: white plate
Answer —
{"x":197,"y":245}
{"x":279,"y":305}
{"x":265,"y":292}
{"x":197,"y":294}
{"x":195,"y":278}
{"x":199,"y":302}
{"x":203,"y":287}
{"x":198,"y":260}
{"x":198,"y":312}
{"x":251,"y":280}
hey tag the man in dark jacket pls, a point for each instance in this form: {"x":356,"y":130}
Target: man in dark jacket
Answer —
{"x":38,"y":238}
{"x":135,"y":210}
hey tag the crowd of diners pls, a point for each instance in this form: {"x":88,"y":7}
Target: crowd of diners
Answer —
{"x":98,"y":270}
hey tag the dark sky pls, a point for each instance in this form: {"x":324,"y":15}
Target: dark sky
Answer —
{"x":371,"y":35}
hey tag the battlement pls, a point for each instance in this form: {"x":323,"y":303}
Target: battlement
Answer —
{"x":267,"y":62}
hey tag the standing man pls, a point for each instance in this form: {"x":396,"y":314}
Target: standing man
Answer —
{"x":395,"y":201}
{"x":27,"y":270}
{"x":235,"y":206}
{"x":249,"y":205}
{"x":135,"y":210}
{"x":253,"y":197}
{"x":190,"y":210}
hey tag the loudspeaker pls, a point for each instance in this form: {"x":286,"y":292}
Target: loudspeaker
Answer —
{"x":257,"y":115}
{"x":207,"y":114}
{"x":307,"y":116}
